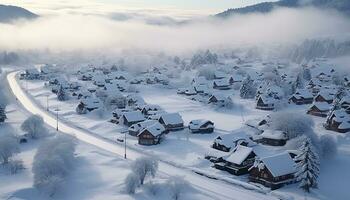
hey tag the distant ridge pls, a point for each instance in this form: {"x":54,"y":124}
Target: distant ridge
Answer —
{"x":266,"y":7}
{"x":11,"y":13}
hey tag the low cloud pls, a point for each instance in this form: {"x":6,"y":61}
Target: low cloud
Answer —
{"x":120,"y":32}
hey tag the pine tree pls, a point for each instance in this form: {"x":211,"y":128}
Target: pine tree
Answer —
{"x":61,"y":94}
{"x":307,"y":166}
{"x":299,"y":82}
{"x":2,"y":114}
{"x":247,"y":90}
{"x":81,"y":109}
{"x":306,"y":74}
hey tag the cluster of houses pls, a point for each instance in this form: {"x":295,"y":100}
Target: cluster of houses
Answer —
{"x":208,"y":91}
{"x":245,"y":152}
{"x":150,"y":123}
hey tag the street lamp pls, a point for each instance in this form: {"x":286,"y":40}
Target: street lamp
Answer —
{"x":57,"y":118}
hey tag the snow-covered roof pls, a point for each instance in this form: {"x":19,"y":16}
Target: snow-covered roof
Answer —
{"x":201,"y":88}
{"x":172,"y":118}
{"x":134,"y":116}
{"x":219,"y":74}
{"x":239,"y":154}
{"x":151,"y":107}
{"x":326,"y":94}
{"x":196,"y":124}
{"x":280,"y":164}
{"x":32,"y":71}
{"x":222,"y":82}
{"x":273,"y":134}
{"x":267,"y":99}
{"x":237,"y":77}
{"x":303,"y":93}
{"x":141,"y":125}
{"x":322,"y":106}
{"x":344,"y":125}
{"x":200,"y":80}
{"x":155,"y":129}
{"x":219,"y":96}
{"x":228,"y":140}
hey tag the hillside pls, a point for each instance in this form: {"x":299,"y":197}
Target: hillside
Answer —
{"x":266,"y":7}
{"x":11,"y":13}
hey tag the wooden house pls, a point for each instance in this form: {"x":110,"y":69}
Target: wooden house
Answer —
{"x":229,"y":141}
{"x":147,"y":108}
{"x":201,"y":89}
{"x":238,"y":161}
{"x":236,"y":78}
{"x":272,"y":138}
{"x":219,"y":75}
{"x":274,"y":171}
{"x":200,"y":80}
{"x":135,"y":129}
{"x":130,"y":118}
{"x":172,"y":121}
{"x":151,"y":135}
{"x":338,"y":121}
{"x":324,"y":96}
{"x":217,"y":99}
{"x":265,"y":103}
{"x":221,"y":84}
{"x":32,"y":74}
{"x":301,"y":97}
{"x":319,"y":109}
{"x":201,"y":126}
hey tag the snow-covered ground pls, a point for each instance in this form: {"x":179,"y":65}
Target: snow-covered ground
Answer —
{"x":186,"y":150}
{"x":98,"y":174}
{"x":213,"y":189}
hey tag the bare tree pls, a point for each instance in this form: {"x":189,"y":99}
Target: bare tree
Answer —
{"x":131,"y":182}
{"x":8,"y":147}
{"x":145,"y":166}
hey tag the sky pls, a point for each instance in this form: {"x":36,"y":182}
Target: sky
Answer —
{"x":171,"y":8}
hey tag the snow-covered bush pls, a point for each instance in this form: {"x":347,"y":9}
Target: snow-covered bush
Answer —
{"x":307,"y":166}
{"x":293,"y":124}
{"x":132,"y":181}
{"x":52,"y":163}
{"x":9,"y":147}
{"x":177,"y":186}
{"x":328,"y":146}
{"x":34,"y":126}
{"x":144,"y":167}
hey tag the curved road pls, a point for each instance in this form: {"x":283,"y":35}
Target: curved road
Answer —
{"x":212,"y":188}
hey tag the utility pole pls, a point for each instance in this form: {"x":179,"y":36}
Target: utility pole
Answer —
{"x":125,"y":145}
{"x":47,"y":102}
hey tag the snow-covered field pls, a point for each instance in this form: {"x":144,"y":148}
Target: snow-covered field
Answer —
{"x":97,"y":174}
{"x":213,"y":189}
{"x":186,"y":150}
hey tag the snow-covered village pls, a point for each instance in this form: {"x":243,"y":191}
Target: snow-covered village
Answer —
{"x":175,"y":101}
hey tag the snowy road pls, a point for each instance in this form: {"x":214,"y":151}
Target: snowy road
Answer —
{"x":212,"y":188}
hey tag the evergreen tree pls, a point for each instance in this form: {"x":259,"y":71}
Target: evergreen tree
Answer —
{"x":247,"y":90}
{"x":307,"y":166}
{"x":299,"y":82}
{"x":81,"y":109}
{"x":306,"y":74}
{"x":61,"y":94}
{"x":2,"y":114}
